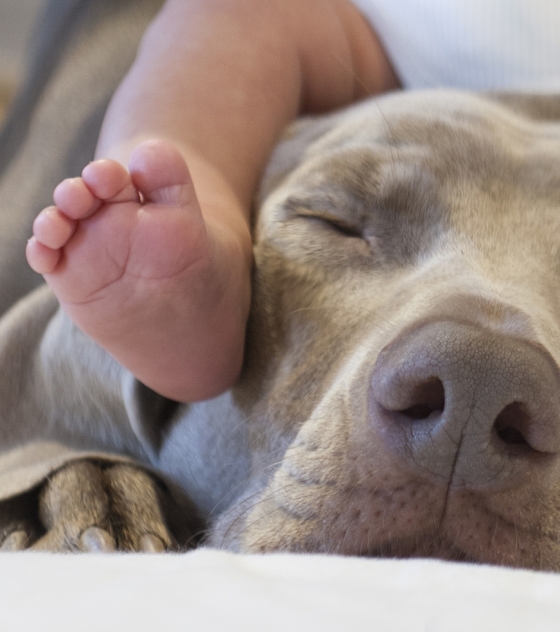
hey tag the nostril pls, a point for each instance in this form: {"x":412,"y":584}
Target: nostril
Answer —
{"x":511,"y":424}
{"x":428,"y":397}
{"x":467,"y":405}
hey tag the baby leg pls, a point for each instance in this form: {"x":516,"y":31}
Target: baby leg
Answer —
{"x":135,"y":266}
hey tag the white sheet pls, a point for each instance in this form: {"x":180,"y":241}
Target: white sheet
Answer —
{"x":213,"y":591}
{"x":470,"y":44}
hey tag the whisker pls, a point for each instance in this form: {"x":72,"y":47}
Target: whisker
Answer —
{"x":350,"y":70}
{"x":268,"y":495}
{"x":247,"y":509}
{"x":194,"y":539}
{"x":391,"y":137}
{"x":318,"y":308}
{"x":244,"y":483}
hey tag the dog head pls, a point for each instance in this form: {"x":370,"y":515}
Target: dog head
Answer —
{"x":402,"y":391}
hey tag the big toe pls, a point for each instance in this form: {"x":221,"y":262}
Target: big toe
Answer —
{"x":160,"y":173}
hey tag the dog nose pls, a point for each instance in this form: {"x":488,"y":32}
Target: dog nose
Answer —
{"x":470,"y":406}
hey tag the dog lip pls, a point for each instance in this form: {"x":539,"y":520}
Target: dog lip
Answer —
{"x":439,"y":544}
{"x":425,"y":546}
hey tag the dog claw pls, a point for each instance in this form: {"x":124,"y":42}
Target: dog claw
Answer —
{"x":16,"y":541}
{"x":152,"y":544}
{"x":96,"y":540}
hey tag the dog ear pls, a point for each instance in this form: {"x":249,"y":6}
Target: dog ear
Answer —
{"x":291,"y":149}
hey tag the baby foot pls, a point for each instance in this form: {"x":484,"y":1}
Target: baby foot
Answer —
{"x":136,"y":267}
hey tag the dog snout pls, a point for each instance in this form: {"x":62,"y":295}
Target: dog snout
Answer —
{"x":472,"y":407}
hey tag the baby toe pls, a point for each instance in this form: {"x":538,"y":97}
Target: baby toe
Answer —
{"x":74,"y":198}
{"x":160,"y":172}
{"x":41,"y":258}
{"x":52,"y":228}
{"x":109,"y":181}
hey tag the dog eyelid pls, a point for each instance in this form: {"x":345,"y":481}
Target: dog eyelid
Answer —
{"x":319,"y":209}
{"x":332,"y":222}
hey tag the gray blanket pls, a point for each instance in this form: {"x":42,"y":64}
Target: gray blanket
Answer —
{"x":82,"y":50}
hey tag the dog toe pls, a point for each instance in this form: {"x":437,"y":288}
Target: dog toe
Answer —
{"x":96,"y":540}
{"x":17,"y":540}
{"x":135,"y":506}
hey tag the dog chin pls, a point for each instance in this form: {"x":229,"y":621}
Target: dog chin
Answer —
{"x":529,"y":551}
{"x":423,"y":546}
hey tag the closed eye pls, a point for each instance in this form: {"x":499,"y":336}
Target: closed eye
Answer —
{"x":331,"y":222}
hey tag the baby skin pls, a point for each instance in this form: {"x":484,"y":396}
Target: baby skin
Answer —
{"x":137,"y":267}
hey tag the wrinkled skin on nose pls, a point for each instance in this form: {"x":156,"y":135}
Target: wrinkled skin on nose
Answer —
{"x":465,"y":405}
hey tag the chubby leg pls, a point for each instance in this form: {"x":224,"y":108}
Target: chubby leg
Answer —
{"x":133,"y":263}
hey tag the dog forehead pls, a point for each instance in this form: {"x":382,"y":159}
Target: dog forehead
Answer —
{"x":404,"y":118}
{"x":446,"y":136}
{"x":461,"y":126}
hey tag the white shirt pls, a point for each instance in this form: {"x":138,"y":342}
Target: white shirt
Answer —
{"x":471,"y":44}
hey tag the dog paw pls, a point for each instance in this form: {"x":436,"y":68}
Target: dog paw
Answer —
{"x":88,"y":507}
{"x":17,"y":537}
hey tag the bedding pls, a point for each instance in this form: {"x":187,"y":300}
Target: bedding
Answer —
{"x":494,"y":44}
{"x":210,"y":590}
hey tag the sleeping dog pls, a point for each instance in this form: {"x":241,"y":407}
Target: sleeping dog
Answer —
{"x":401,"y":391}
{"x":405,"y":336}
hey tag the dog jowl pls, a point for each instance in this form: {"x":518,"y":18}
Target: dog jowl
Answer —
{"x":402,"y":389}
